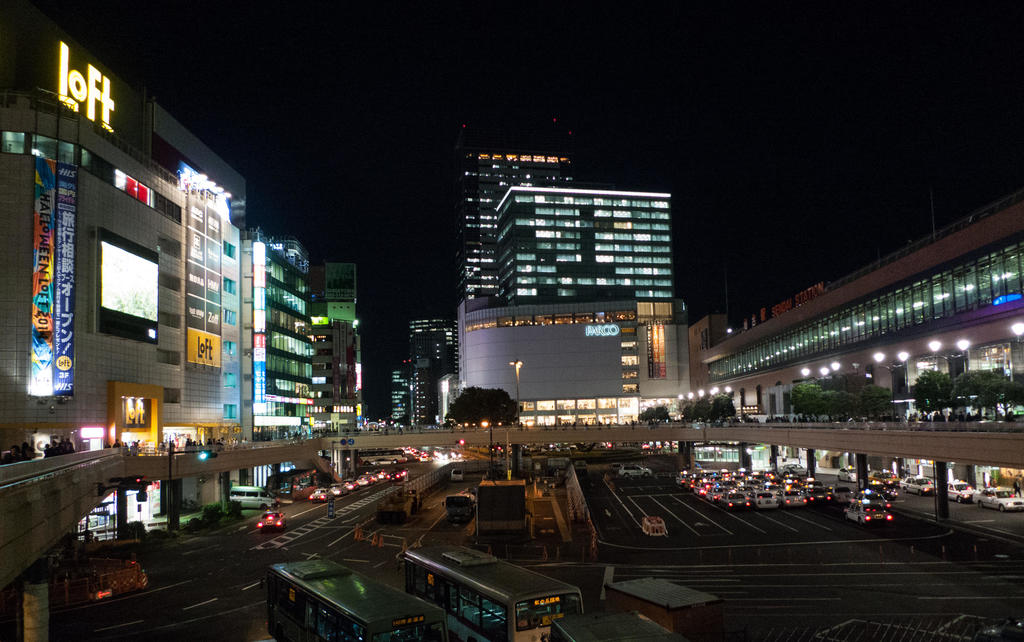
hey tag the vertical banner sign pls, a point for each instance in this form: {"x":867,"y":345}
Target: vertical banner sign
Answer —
{"x":656,"y":366}
{"x":41,"y":381}
{"x":64,"y":280}
{"x":259,"y":327}
{"x":202,"y":286}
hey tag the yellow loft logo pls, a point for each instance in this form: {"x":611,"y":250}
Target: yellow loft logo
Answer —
{"x":89,"y":89}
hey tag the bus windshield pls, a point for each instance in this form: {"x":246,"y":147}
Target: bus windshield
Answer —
{"x":538,"y":612}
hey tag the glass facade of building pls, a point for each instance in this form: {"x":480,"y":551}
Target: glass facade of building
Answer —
{"x":975,"y":281}
{"x":584,"y":244}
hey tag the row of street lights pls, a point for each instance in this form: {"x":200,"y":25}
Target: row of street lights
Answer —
{"x":714,"y":391}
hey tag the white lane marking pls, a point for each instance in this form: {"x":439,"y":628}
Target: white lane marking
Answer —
{"x":703,"y":516}
{"x":200,"y":604}
{"x":117,"y":626}
{"x":776,"y":545}
{"x":164,"y":588}
{"x":624,"y":507}
{"x":309,"y":510}
{"x":348,"y":559}
{"x":253,"y":585}
{"x":979,"y":521}
{"x":642,"y":511}
{"x":678,"y":519}
{"x":812,"y":523}
{"x":196,"y":550}
{"x":742,"y":521}
{"x":342,"y":537}
{"x":777,"y":522}
{"x":609,"y":575}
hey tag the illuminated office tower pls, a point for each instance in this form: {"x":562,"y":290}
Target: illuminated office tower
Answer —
{"x":563,"y":244}
{"x":277,"y":397}
{"x":488,"y":162}
{"x":337,"y":364}
{"x":434,"y":353}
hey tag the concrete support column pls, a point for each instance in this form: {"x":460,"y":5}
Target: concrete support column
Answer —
{"x":812,"y":464}
{"x":901,"y":467}
{"x":243,"y":477}
{"x":173,"y":509}
{"x":941,"y":491}
{"x":774,"y":457}
{"x":35,"y":602}
{"x":517,"y":458}
{"x":225,"y":487}
{"x":686,"y":454}
{"x":862,"y":471}
{"x":121,"y":506}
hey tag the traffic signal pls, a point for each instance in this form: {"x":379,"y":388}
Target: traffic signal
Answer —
{"x":206,"y":454}
{"x":462,"y":442}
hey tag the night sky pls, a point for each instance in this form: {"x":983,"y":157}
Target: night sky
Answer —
{"x":799,"y":140}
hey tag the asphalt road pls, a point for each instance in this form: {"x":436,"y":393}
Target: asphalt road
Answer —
{"x":807,"y":567}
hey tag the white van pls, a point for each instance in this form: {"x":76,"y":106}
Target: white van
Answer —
{"x":457,"y":474}
{"x":251,"y":497}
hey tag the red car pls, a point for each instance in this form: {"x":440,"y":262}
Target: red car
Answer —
{"x":271,"y":520}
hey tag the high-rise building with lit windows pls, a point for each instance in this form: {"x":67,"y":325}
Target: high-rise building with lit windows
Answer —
{"x":337,"y":366}
{"x":433,"y":349}
{"x":562,"y":244}
{"x":488,"y":162}
{"x":276,"y":398}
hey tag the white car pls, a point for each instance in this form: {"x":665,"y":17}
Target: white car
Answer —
{"x":765,"y":500}
{"x":961,"y":491}
{"x":918,"y":485}
{"x":843,"y":495}
{"x":794,"y":469}
{"x":847,"y":475}
{"x":793,"y":499}
{"x":867,"y":513}
{"x":1001,"y":498}
{"x":632,"y":470}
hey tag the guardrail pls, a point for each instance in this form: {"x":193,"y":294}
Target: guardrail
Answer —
{"x":44,"y":468}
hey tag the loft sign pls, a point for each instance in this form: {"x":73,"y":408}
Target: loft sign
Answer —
{"x":602,"y":330}
{"x":91,"y":89}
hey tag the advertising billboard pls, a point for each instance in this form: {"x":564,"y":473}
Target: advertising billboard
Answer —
{"x":203,"y":280}
{"x":656,"y":366}
{"x":340,"y":281}
{"x":129,"y":288}
{"x":53,"y":278}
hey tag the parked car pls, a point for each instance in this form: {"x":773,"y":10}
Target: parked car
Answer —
{"x":961,"y":491}
{"x":867,"y":513}
{"x":633,"y":470}
{"x":847,"y":475}
{"x":1002,"y":499}
{"x":883,"y":478}
{"x":794,"y":469}
{"x":918,"y":485}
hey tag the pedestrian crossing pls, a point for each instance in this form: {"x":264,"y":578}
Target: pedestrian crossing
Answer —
{"x":292,"y":535}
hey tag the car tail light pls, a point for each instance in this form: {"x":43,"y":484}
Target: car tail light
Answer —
{"x":867,"y":518}
{"x":730,"y":503}
{"x":888,"y":517}
{"x":259,"y":525}
{"x":279,"y":523}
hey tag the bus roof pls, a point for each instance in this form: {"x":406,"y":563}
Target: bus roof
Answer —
{"x":486,"y":573}
{"x":350,"y":591}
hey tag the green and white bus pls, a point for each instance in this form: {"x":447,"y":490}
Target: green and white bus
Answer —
{"x":322,"y":600}
{"x":488,"y":600}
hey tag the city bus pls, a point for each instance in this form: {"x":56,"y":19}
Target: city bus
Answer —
{"x":486,"y":599}
{"x":323,"y":600}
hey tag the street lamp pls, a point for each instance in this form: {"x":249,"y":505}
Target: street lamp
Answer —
{"x":689,"y":395}
{"x":806,"y":372}
{"x":879,"y":357}
{"x":835,"y":366}
{"x":934,"y":346}
{"x":714,"y":390}
{"x":824,"y":371}
{"x":517,"y":364}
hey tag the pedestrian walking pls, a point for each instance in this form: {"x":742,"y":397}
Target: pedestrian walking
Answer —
{"x":1016,"y":487}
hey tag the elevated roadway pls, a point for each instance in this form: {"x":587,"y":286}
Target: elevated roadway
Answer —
{"x":43,"y":499}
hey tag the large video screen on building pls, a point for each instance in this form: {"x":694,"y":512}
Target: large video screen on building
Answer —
{"x":129,"y":288}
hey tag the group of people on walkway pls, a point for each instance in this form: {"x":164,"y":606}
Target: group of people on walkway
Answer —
{"x":25,"y":452}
